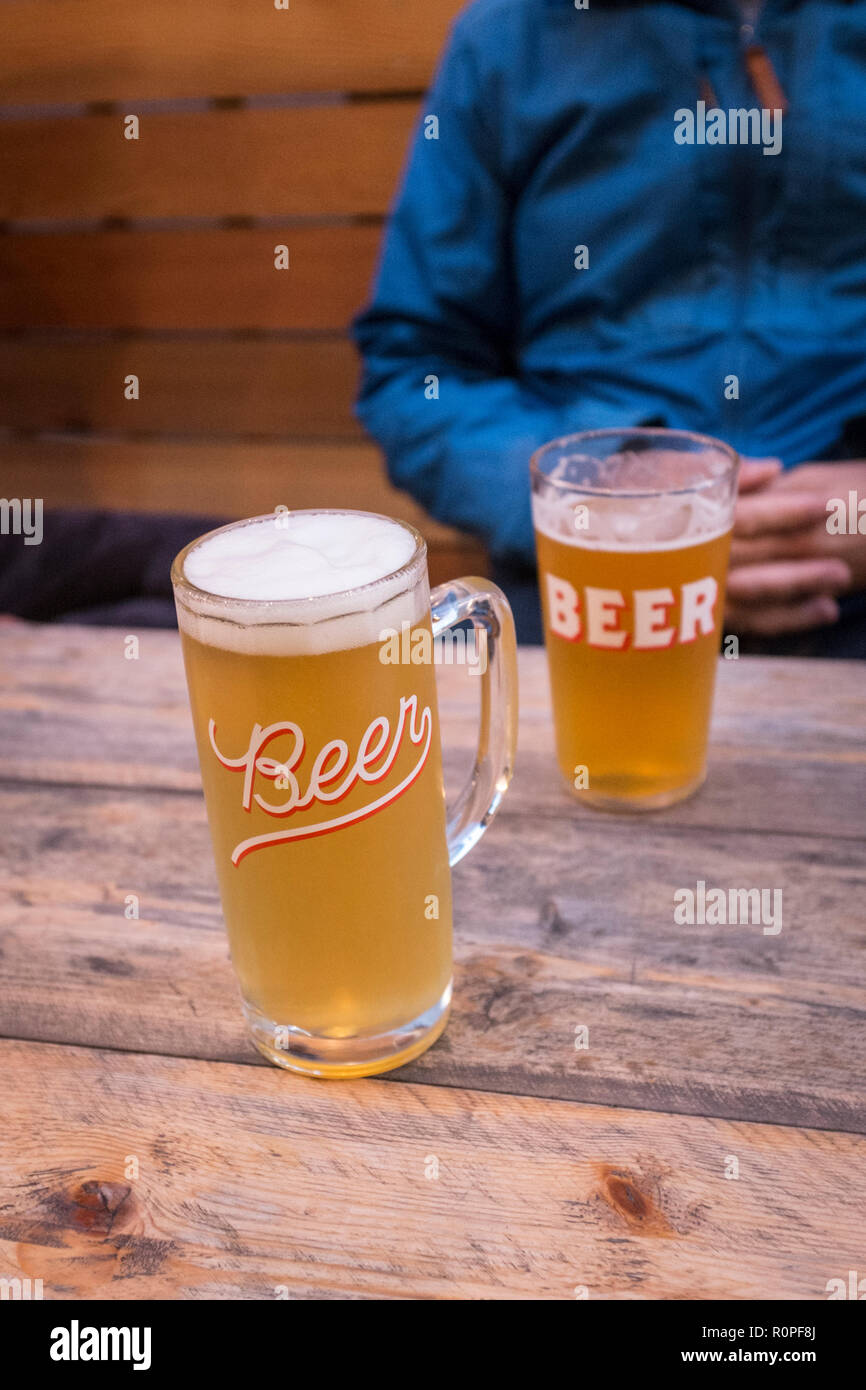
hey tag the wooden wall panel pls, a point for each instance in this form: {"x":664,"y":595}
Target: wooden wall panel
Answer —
{"x":309,"y":161}
{"x":191,"y":279}
{"x":179,"y":304}
{"x":103,"y":50}
{"x":204,"y":386}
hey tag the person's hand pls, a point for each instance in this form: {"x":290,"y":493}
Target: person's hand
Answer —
{"x":786,"y":570}
{"x":833,"y":480}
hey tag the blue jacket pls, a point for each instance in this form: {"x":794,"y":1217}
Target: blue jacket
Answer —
{"x":556,"y":130}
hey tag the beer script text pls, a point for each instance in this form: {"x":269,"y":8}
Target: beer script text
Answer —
{"x":374,"y":760}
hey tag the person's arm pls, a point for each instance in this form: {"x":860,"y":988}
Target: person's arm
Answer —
{"x":440,"y":391}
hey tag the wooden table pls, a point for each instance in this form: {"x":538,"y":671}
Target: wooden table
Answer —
{"x":148,"y":1151}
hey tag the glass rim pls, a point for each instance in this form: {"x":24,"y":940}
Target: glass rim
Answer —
{"x":623,"y":432}
{"x":181,"y":583}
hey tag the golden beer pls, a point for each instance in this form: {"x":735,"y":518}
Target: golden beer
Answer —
{"x":632,"y":620}
{"x":322,"y":775}
{"x":329,"y":933}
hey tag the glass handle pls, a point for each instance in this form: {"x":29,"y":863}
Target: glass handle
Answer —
{"x":485,"y":606}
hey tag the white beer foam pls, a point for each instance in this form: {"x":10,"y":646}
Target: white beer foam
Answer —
{"x":276,"y":585}
{"x":617,"y":503}
{"x":631,"y":523}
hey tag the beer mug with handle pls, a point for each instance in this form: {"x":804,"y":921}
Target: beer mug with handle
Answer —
{"x":633,"y":530}
{"x":309,"y":643}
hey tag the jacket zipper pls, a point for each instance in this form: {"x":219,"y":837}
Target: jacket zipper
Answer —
{"x":743,"y":217}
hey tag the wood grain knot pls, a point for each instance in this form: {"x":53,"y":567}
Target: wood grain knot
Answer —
{"x":94,"y":1205}
{"x":623,"y":1194}
{"x":104,"y":966}
{"x":489,"y":997}
{"x":551,"y":921}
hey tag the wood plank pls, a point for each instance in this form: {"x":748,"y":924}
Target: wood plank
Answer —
{"x":809,"y":711}
{"x":692,"y":1020}
{"x":262,"y":1181}
{"x":217,"y":479}
{"x":95,"y":50}
{"x":188,"y":386}
{"x":308,"y":161}
{"x":787,"y":751}
{"x":563,"y":917}
{"x":192,"y":279}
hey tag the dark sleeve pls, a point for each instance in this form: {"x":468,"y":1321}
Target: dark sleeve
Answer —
{"x":92,"y":559}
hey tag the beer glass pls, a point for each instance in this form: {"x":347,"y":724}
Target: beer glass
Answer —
{"x":309,"y":653}
{"x":633,"y":530}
